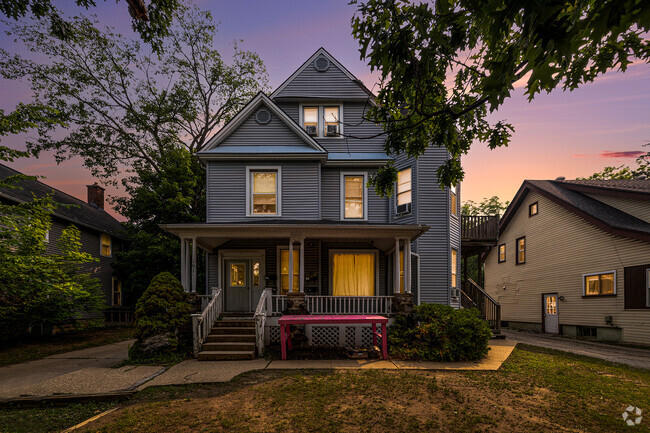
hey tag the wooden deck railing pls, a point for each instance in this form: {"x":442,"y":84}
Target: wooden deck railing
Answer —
{"x":339,"y":304}
{"x":473,"y":296}
{"x":202,"y":323}
{"x":479,"y":228}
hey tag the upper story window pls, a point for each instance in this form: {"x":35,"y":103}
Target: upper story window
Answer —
{"x":454,"y":200}
{"x":454,"y":269}
{"x":521,"y":250}
{"x":106,"y":245}
{"x":117,"y":292}
{"x":354,"y":196}
{"x":264,"y":187}
{"x":600,"y":284}
{"x":533,"y":209}
{"x":502,"y":253}
{"x":404,"y":196}
{"x":322,"y":121}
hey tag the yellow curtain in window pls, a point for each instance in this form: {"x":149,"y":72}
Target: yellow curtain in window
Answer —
{"x":353,"y":274}
{"x":284,"y":271}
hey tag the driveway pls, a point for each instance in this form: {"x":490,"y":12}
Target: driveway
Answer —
{"x":639,"y":358}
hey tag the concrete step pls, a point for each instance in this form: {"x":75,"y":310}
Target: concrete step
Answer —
{"x":226,"y":355}
{"x":231,"y":323}
{"x":228,"y":346}
{"x":233,"y":330}
{"x":223,"y":338}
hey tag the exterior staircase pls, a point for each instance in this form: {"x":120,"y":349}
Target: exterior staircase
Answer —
{"x":231,"y":338}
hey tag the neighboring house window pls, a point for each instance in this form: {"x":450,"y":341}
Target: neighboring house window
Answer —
{"x":404,"y":188}
{"x":284,"y":270}
{"x":454,"y":200}
{"x":454,"y":269}
{"x":636,"y":284}
{"x":331,"y":120}
{"x":353,"y":274}
{"x":47,"y":237}
{"x":533,"y":209}
{"x":310,"y":120}
{"x":599,"y":284}
{"x":264,"y":185}
{"x":106,"y":248}
{"x":117,"y":292}
{"x":354,"y":196}
{"x":502,"y":253}
{"x":521,"y":250}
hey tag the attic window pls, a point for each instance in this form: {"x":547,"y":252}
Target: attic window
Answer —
{"x":263,"y":116}
{"x":321,"y":64}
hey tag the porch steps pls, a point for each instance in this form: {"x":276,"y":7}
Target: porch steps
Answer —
{"x":231,"y":338}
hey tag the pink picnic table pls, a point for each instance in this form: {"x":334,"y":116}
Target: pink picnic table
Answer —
{"x":287,"y":320}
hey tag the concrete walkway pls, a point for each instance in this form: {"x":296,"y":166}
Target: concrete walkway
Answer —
{"x":639,"y":358}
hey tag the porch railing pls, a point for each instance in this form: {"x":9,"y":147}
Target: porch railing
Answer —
{"x":473,"y":296}
{"x":479,"y":228}
{"x":339,"y":304}
{"x":202,"y":323}
{"x":261,"y":312}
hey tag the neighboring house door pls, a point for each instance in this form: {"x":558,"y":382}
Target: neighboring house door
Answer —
{"x":237,"y":285}
{"x":549,"y":313}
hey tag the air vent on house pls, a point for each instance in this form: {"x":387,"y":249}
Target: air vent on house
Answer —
{"x":321,"y":64}
{"x":311,"y":130}
{"x":404,"y":208}
{"x":263,"y":116}
{"x":332,"y":130}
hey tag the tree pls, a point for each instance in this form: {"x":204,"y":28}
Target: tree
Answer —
{"x":40,"y":288}
{"x":489,"y":206}
{"x":625,"y":171}
{"x":444,"y":65}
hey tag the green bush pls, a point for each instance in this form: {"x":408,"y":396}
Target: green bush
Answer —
{"x":435,"y":332}
{"x":162,"y":311}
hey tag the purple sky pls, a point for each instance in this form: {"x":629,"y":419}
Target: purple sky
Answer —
{"x":562,"y":134}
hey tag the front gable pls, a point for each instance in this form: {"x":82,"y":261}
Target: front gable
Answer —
{"x":322,"y":76}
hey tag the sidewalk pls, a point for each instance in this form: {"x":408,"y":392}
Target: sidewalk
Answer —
{"x":90,"y":371}
{"x":639,"y":358}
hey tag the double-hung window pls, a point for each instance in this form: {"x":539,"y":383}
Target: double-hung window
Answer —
{"x":600,"y":284}
{"x":106,"y":245}
{"x":322,"y":121}
{"x":310,"y":120}
{"x":454,"y":200}
{"x":331,"y":121}
{"x":117,"y":292}
{"x":454,"y":269}
{"x":284,"y":270}
{"x":264,"y":186}
{"x":502,"y":253}
{"x":354,"y":196}
{"x":521,"y":250}
{"x":404,"y":189}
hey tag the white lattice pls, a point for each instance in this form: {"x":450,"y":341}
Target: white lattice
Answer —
{"x":274,"y":334}
{"x":350,"y":334}
{"x":366,"y":336}
{"x":325,"y":336}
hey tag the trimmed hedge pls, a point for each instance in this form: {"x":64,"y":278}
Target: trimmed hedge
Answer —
{"x":435,"y":332}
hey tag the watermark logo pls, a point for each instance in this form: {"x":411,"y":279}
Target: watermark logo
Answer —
{"x":632,"y":416}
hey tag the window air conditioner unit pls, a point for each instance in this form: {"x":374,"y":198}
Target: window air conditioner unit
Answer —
{"x":311,"y":130}
{"x":404,"y":208}
{"x":332,"y":130}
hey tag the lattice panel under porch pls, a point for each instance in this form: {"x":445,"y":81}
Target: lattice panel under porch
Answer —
{"x":366,"y":336}
{"x":325,"y":336}
{"x":274,"y":334}
{"x":350,"y":336}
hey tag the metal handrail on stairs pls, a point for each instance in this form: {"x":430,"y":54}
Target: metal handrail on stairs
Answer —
{"x":474,"y":296}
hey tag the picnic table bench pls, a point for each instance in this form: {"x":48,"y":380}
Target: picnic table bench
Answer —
{"x":287,"y":320}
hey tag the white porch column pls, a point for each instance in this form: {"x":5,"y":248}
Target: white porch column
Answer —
{"x":290,"y":282}
{"x":183,"y":267}
{"x":407,"y":266}
{"x":188,"y":265}
{"x":194,"y":265}
{"x":301,"y":277}
{"x":396,"y":279}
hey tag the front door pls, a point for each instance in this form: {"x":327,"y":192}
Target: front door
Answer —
{"x":237,"y":285}
{"x":549,"y":313}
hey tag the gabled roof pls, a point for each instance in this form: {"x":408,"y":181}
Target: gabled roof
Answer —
{"x":363,"y":91}
{"x":212,"y":148}
{"x":603,"y":216}
{"x":82,"y":214}
{"x":630,"y":188}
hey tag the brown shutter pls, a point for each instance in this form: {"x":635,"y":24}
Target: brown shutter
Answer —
{"x":635,"y":287}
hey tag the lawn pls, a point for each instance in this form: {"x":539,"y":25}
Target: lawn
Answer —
{"x":536,"y":390}
{"x":37,"y":348}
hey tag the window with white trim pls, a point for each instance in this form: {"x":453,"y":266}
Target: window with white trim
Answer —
{"x":263,"y":192}
{"x":454,"y":200}
{"x":310,"y":120}
{"x":404,"y":190}
{"x":600,"y":284}
{"x":331,"y":121}
{"x":353,"y":196}
{"x":284,"y":270}
{"x":322,"y":121}
{"x":454,"y":269}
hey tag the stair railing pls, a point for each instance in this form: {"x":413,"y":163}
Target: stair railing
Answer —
{"x":263,"y":309}
{"x":203,"y":322}
{"x":473,"y":296}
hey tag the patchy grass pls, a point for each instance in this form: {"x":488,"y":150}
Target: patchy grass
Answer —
{"x":31,"y":349}
{"x":536,"y":390}
{"x":49,"y":418}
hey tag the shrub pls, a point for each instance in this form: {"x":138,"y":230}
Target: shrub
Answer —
{"x":436,"y":332}
{"x":162,"y":319}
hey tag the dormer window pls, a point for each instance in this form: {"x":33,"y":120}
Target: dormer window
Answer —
{"x":331,"y":121}
{"x":310,"y":120}
{"x":324,"y":121}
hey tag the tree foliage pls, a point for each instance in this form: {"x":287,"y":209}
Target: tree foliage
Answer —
{"x":489,"y":206}
{"x":445,"y":65}
{"x":50,"y":288}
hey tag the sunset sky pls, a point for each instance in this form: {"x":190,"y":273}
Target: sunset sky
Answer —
{"x":562,"y":134}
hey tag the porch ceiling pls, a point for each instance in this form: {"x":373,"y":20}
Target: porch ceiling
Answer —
{"x":382,"y":236}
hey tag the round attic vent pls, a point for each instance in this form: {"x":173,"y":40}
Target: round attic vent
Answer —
{"x":263,"y":116}
{"x":321,"y":64}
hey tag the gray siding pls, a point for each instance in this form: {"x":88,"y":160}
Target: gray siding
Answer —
{"x":226,"y":190}
{"x":333,"y":83}
{"x":331,"y":197}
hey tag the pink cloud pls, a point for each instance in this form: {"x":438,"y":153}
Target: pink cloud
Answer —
{"x":579,"y":155}
{"x":621,"y":154}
